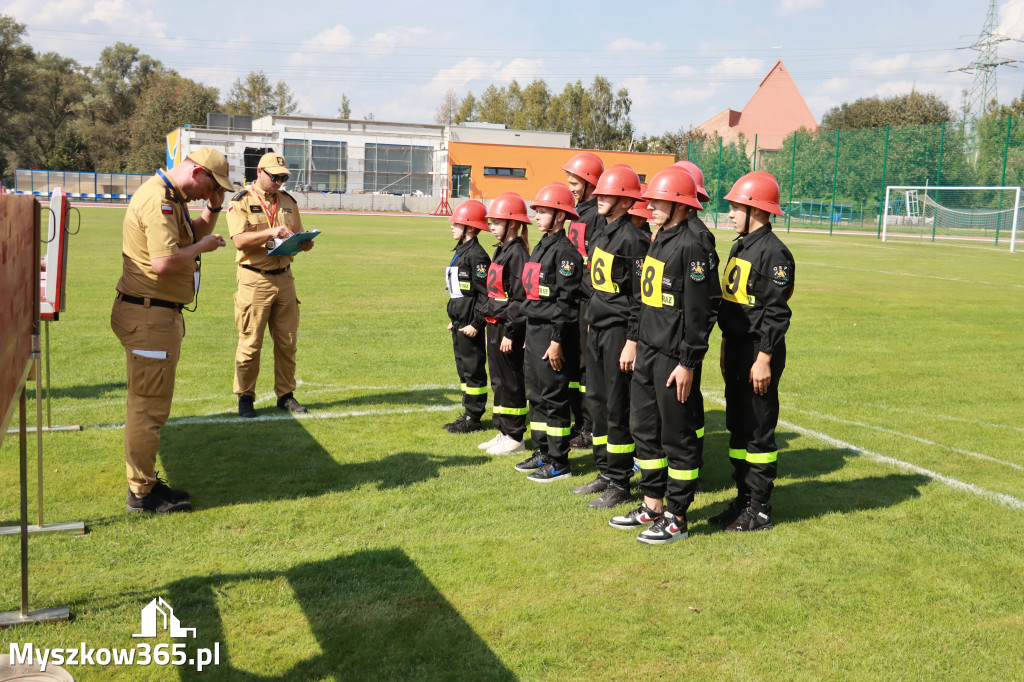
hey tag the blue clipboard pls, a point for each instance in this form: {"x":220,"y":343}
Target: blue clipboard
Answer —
{"x":290,"y":246}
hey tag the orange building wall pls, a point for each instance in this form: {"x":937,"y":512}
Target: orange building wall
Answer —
{"x":542,"y":164}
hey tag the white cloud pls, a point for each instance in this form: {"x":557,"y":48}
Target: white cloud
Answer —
{"x":741,"y":66}
{"x":125,"y":16}
{"x":522,"y":70}
{"x":316,"y":49}
{"x":833,"y":86}
{"x":1011,"y":19}
{"x":630,"y":45}
{"x":463,"y":73}
{"x":383,"y":43}
{"x":795,"y":6}
{"x":867,"y":65}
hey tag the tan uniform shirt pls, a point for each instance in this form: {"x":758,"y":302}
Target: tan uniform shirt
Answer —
{"x":246,"y":214}
{"x":155,"y":227}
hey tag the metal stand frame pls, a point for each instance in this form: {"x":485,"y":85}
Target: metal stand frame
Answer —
{"x":24,"y":615}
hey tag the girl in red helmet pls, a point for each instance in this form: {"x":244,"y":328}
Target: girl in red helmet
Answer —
{"x":756,"y":286}
{"x":506,"y":327}
{"x":582,"y":173}
{"x":466,"y":282}
{"x":551,"y":282}
{"x":672,"y":339}
{"x":617,"y":254}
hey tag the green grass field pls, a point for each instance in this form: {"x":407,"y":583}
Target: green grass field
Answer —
{"x":363,"y":542}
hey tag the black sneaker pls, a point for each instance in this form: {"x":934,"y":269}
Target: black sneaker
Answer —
{"x":548,"y":473}
{"x":169,"y":492}
{"x":755,"y":517}
{"x":245,"y":407}
{"x":732,"y":512}
{"x":640,"y":516}
{"x":534,"y":461}
{"x":465,"y":424}
{"x":665,"y":530}
{"x":583,"y":440}
{"x":612,"y":497}
{"x":288,"y":402}
{"x":156,"y":502}
{"x":598,"y":485}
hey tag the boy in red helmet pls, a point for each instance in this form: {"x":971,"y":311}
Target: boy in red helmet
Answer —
{"x":756,"y":286}
{"x":506,"y":326}
{"x":582,"y":173}
{"x":466,"y":282}
{"x":673,"y":338}
{"x":616,"y":256}
{"x":551,"y":281}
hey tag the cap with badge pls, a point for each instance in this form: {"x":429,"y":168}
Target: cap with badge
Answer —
{"x":273,"y":163}
{"x":215,"y":162}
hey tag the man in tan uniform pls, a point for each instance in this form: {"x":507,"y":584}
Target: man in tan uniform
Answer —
{"x":161,"y":246}
{"x":266,"y":288}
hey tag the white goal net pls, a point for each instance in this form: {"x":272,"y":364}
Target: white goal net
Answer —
{"x":988,"y":214}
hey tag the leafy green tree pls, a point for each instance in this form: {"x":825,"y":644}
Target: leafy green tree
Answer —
{"x":345,"y":110}
{"x":52,"y":139}
{"x":168,"y":103}
{"x":494,"y":105}
{"x":914,"y":108}
{"x":467,"y":109}
{"x":448,"y":109}
{"x":532,"y":110}
{"x":253,"y":95}
{"x":16,"y":58}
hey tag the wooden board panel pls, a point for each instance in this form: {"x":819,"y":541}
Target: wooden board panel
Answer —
{"x":19,"y":301}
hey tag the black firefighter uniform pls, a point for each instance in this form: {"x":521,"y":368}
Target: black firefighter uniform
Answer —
{"x":466,"y":282}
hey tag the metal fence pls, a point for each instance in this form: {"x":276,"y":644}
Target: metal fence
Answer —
{"x":98,"y":187}
{"x":836,"y":180}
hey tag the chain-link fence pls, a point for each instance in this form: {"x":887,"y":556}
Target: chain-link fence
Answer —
{"x":835,"y":180}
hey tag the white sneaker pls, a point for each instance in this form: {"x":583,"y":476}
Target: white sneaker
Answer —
{"x":507,"y":446}
{"x":492,"y":442}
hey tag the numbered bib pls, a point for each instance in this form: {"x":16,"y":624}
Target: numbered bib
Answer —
{"x":496,"y":282}
{"x":601,"y":272}
{"x":577,"y":234}
{"x":531,"y":281}
{"x":650,"y":282}
{"x":451,"y":282}
{"x":734,"y":281}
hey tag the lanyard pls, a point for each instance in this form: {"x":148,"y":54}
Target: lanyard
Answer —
{"x":184,"y":206}
{"x":270,"y":216}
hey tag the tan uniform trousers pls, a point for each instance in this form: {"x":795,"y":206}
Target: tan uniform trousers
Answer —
{"x":262,"y":301}
{"x":146,"y":331}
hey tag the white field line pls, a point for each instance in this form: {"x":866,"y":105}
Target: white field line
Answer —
{"x":916,"y":413}
{"x":235,"y":419}
{"x":909,"y":436}
{"x":910,"y":274}
{"x":956,"y":484}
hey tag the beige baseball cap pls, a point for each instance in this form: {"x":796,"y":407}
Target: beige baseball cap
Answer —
{"x":215,"y":162}
{"x":273,"y":163}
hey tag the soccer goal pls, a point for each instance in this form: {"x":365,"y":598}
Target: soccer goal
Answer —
{"x":951,"y":213}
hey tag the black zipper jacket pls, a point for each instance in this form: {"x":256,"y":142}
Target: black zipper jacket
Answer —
{"x":589,"y":224}
{"x":757,"y":284}
{"x":616,"y":258}
{"x":551,"y":282}
{"x":707,"y":240}
{"x":471,"y":262}
{"x":505,"y":294}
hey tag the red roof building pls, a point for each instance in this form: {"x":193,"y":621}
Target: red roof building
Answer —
{"x":776,"y":110}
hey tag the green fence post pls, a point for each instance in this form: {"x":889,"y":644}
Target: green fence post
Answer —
{"x":1002,"y":179}
{"x":792,"y":179}
{"x":689,"y":150}
{"x":942,"y":143}
{"x":718,"y":185}
{"x":835,"y":178}
{"x":753,"y":165}
{"x":881,"y":198}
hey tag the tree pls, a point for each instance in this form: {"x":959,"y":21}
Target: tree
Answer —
{"x":532,"y":110}
{"x":168,"y":103}
{"x":493,"y":106}
{"x":467,"y":109}
{"x":345,"y":110}
{"x":448,"y":109}
{"x":16,"y":59}
{"x":52,"y":138}
{"x":914,"y":108}
{"x":254,"y":96}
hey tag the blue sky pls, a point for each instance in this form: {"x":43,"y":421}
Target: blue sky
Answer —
{"x":682,"y":61}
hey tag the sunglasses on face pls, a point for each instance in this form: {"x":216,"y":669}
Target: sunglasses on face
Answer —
{"x":283,"y":177}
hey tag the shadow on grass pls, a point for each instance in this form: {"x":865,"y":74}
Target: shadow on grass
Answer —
{"x":226,"y":464}
{"x":373,"y":615}
{"x":424,"y":397}
{"x":80,"y":392}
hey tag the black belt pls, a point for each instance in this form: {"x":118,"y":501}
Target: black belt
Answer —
{"x":267,"y":272}
{"x":150,"y":301}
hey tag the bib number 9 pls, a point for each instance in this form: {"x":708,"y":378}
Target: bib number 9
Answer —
{"x":734,"y":281}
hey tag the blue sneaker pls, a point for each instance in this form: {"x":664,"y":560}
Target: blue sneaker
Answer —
{"x":548,"y":473}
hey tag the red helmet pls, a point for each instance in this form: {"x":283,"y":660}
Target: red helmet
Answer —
{"x":619,"y":181}
{"x":557,"y":196}
{"x":640,"y":207}
{"x":509,"y":206}
{"x":698,"y":177}
{"x":471,"y":213}
{"x":586,"y":166}
{"x":757,"y":189}
{"x":675,"y":185}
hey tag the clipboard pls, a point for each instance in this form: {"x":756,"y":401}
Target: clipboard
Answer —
{"x":290,"y":246}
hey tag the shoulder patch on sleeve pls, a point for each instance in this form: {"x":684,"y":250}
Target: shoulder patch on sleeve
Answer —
{"x":166,"y":210}
{"x":481,"y":270}
{"x":698,"y":270}
{"x":780,"y":274}
{"x":566,"y":268}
